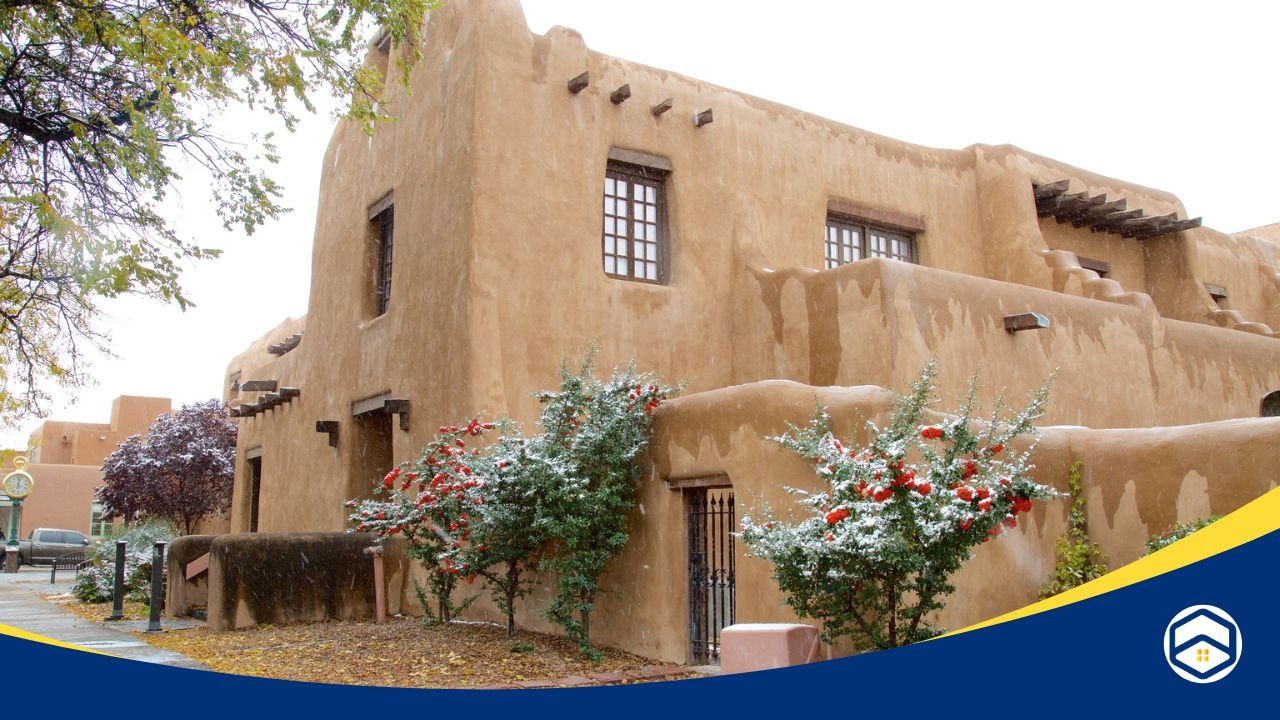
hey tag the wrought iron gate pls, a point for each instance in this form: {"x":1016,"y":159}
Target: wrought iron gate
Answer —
{"x":711,"y":550}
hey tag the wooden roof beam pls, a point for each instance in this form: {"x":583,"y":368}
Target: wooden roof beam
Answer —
{"x":1060,"y":203}
{"x":1081,"y":207}
{"x":1145,"y":226}
{"x":1178,"y":226}
{"x":1098,"y":212}
{"x":1049,"y":190}
{"x":1111,"y":221}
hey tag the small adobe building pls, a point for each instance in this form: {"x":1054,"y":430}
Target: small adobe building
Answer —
{"x":66,"y":462}
{"x":536,"y":196}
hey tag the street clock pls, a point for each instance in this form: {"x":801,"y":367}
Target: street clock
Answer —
{"x":17,"y":484}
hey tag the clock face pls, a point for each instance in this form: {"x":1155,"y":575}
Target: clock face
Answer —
{"x":17,"y":485}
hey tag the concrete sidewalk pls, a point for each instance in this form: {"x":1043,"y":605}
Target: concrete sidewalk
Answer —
{"x":23,"y":606}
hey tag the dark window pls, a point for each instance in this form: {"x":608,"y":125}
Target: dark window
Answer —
{"x":850,"y":239}
{"x":383,"y":228}
{"x":635,"y":232}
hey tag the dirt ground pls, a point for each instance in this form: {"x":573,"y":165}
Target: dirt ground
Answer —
{"x":404,"y":652}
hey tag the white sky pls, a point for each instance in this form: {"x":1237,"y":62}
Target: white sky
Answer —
{"x":1177,"y":96}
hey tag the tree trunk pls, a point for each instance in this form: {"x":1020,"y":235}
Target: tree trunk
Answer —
{"x":512,"y":589}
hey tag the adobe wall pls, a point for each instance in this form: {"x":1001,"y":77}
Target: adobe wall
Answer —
{"x":291,"y":578}
{"x":879,"y":322}
{"x":419,"y":348}
{"x":753,"y":189}
{"x":76,"y":443}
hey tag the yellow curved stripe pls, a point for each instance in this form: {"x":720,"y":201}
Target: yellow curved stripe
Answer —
{"x":23,"y":634}
{"x":1244,"y":525}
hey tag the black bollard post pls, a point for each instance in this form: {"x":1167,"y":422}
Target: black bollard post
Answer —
{"x":117,"y":592}
{"x":157,"y":586}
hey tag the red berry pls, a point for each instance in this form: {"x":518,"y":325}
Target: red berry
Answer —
{"x":924,"y":488}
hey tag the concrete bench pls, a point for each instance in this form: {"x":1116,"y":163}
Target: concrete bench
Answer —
{"x":764,"y":646}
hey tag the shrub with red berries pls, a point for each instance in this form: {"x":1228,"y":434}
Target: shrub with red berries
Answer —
{"x":872,"y":555}
{"x":557,"y":500}
{"x":434,"y":502}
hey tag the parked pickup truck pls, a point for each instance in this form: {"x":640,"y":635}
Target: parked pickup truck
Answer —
{"x":44,"y":544}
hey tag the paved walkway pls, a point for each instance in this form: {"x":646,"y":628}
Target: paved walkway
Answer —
{"x":23,"y":606}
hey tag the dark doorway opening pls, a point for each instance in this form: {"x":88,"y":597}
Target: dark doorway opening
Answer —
{"x":255,"y":488}
{"x":371,"y":451}
{"x":711,"y":522}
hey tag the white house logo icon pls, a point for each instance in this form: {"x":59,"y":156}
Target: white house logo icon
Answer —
{"x":1202,"y":644}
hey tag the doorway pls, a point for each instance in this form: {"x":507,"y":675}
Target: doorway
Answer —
{"x":255,"y":491}
{"x":711,"y":520}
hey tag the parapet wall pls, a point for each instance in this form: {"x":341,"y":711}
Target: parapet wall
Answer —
{"x":879,"y":321}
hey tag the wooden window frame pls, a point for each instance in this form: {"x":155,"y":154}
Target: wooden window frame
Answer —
{"x":625,"y":240}
{"x":841,"y":224}
{"x":383,"y":224}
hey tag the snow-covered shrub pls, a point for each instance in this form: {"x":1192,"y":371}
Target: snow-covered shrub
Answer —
{"x":96,"y":583}
{"x":871,"y":555}
{"x":557,"y":500}
{"x":1176,"y":533}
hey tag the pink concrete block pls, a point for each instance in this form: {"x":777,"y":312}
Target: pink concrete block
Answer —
{"x":763,"y":646}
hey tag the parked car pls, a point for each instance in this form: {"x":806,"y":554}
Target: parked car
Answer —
{"x":45,"y":544}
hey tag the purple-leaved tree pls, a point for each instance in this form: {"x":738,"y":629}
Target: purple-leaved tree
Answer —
{"x":182,"y":471}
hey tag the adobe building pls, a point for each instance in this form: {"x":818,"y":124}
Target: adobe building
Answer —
{"x":66,"y":464}
{"x":537,"y":196}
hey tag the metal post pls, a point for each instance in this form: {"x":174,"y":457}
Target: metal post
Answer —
{"x":117,"y":592}
{"x":11,"y":547}
{"x":15,"y":513}
{"x":157,"y":586}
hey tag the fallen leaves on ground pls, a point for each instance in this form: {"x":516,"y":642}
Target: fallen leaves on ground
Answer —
{"x":133,"y":610}
{"x":403,"y":652}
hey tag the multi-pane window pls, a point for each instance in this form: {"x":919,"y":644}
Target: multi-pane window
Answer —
{"x":635,"y":242}
{"x":849,"y":239}
{"x":383,"y":228}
